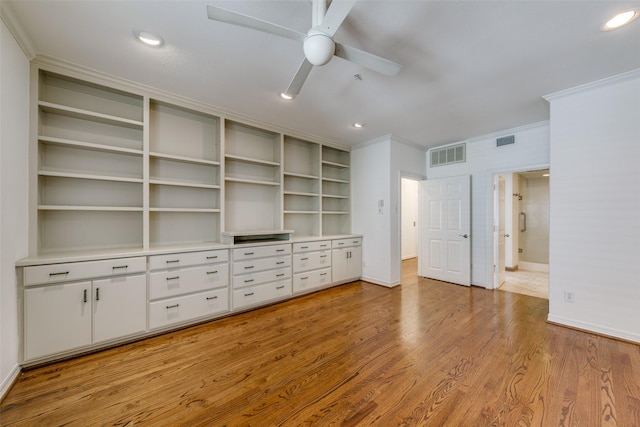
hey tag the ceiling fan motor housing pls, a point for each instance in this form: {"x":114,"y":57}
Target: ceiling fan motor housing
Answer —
{"x":318,"y":47}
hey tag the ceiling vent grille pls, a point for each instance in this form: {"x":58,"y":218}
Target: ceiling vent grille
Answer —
{"x":449,"y":155}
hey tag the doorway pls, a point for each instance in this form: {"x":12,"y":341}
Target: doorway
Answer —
{"x":409,"y":191}
{"x":523,"y":266}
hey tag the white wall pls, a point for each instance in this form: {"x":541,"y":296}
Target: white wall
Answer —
{"x":14,"y":127}
{"x":595,"y":207}
{"x":484,"y":159}
{"x":376,"y":171}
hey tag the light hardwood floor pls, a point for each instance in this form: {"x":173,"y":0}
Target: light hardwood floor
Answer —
{"x":532,"y":283}
{"x":425,"y":353}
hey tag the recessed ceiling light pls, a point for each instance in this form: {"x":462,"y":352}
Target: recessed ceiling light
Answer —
{"x":149,"y":39}
{"x":620,"y":20}
{"x":359,"y":125}
{"x":286,"y":96}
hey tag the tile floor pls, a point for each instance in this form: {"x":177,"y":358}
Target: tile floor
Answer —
{"x":533,"y":283}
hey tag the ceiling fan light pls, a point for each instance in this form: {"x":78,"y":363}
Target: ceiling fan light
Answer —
{"x":318,"y":48}
{"x":286,"y":96}
{"x":620,"y":20}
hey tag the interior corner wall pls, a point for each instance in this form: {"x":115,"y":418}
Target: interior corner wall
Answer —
{"x":370,"y":184}
{"x":14,"y":148}
{"x":376,"y":169}
{"x":483,"y":160}
{"x":406,"y":160}
{"x":595,"y":206}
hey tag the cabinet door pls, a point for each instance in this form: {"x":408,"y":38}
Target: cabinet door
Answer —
{"x":346,"y":263}
{"x":57,"y":318}
{"x":119,"y":307}
{"x":355,"y":262}
{"x":340,"y":264}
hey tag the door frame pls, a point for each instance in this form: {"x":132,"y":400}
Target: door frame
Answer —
{"x":491,"y":243}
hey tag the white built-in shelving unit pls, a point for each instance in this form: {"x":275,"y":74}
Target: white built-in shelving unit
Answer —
{"x":335,"y":191}
{"x":122,"y":169}
{"x":90,"y":166}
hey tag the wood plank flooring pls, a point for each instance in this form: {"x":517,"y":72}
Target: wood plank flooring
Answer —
{"x":426,"y":353}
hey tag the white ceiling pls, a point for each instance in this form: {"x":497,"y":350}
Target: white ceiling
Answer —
{"x":470,"y":67}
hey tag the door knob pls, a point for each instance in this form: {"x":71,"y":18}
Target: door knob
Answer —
{"x":506,"y":235}
{"x":466,"y":236}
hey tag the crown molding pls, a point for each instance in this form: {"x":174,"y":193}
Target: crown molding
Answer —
{"x":629,"y":75}
{"x":9,"y":18}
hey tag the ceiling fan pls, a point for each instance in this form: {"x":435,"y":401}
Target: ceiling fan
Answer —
{"x":318,"y":44}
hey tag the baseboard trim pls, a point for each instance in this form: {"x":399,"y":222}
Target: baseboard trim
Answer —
{"x":595,"y":329}
{"x":514,"y":268}
{"x":380,"y":283}
{"x":8,"y":382}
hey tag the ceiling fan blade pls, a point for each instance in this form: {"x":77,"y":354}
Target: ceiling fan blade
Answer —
{"x":368,"y":60}
{"x":235,"y":18}
{"x":336,"y":14}
{"x":299,"y":78}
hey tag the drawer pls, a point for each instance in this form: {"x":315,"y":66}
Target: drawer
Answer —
{"x":261,"y":277}
{"x":311,"y":280}
{"x":71,"y":271}
{"x":163,"y":284}
{"x":181,"y":309}
{"x":261,"y":251}
{"x":343,"y":243}
{"x":311,"y":246}
{"x":261,"y":264}
{"x":311,"y":261}
{"x":186,"y":259}
{"x":258,"y":294}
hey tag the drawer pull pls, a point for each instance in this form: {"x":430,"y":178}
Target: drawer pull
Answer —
{"x":303,"y":259}
{"x":212,"y":272}
{"x":248,"y":281}
{"x":323,"y":246}
{"x":340,"y":243}
{"x":323,"y":256}
{"x":97,"y":294}
{"x":304,"y":247}
{"x":119,"y":267}
{"x":280,"y":287}
{"x":279,"y":250}
{"x":84,"y":296}
{"x":210,"y":298}
{"x":279,"y":262}
{"x":212,"y":257}
{"x":304,"y":278}
{"x":323,"y":274}
{"x":173,"y":306}
{"x":64,"y":273}
{"x":249,"y":294}
{"x":280,"y":275}
{"x":248,"y":267}
{"x":173,"y":278}
{"x":355,"y":242}
{"x":173,"y":261}
{"x":248,"y":253}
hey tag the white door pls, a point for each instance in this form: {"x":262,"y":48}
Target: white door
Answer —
{"x":409,"y":214}
{"x":445,"y":229}
{"x":499,"y":231}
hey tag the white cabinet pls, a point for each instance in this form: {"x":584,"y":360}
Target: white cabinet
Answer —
{"x":261,"y":274}
{"x":311,"y":265}
{"x":346,"y":259}
{"x":187,"y":286}
{"x":61,"y":316}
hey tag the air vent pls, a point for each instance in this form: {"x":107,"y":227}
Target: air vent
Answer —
{"x":449,"y":155}
{"x":505,"y":140}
